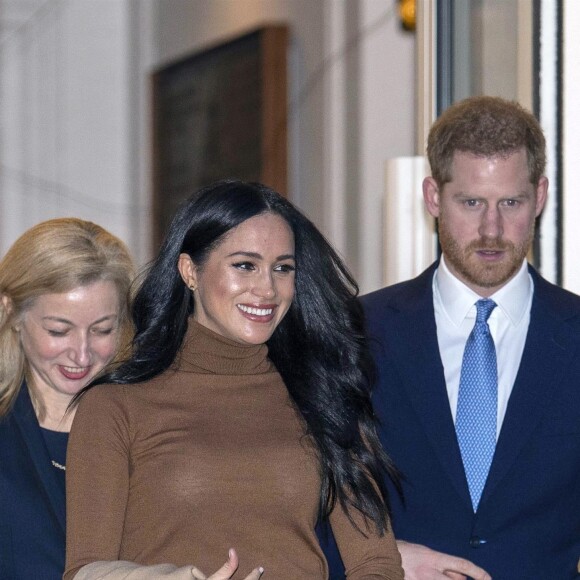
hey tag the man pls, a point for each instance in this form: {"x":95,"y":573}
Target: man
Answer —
{"x":479,"y":400}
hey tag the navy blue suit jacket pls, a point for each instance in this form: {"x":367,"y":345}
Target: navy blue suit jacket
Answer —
{"x":528,"y":522}
{"x":32,"y":500}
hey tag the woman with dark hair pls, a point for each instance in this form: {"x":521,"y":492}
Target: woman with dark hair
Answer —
{"x":243,"y":414}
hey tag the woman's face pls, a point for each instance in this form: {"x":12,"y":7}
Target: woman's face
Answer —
{"x":246,"y":285}
{"x":68,"y":338}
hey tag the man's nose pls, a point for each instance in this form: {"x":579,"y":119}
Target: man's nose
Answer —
{"x":491,"y":223}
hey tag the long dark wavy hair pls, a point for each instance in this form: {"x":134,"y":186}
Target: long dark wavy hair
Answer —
{"x":319,"y":348}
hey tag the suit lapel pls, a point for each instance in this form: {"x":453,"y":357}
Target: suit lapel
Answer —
{"x":417,"y":351}
{"x":550,"y":344}
{"x":29,"y":431}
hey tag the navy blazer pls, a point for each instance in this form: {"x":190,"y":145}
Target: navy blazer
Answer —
{"x":32,"y":500}
{"x":528,"y":522}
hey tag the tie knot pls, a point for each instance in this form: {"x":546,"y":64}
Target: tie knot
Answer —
{"x":484,"y":307}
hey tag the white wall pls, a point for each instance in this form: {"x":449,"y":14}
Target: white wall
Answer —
{"x":571,"y":147}
{"x":75,"y":121}
{"x":74,"y":112}
{"x":351,"y":101}
{"x":64,"y":131}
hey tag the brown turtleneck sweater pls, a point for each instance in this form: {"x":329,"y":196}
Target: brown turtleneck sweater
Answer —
{"x":208,"y":456}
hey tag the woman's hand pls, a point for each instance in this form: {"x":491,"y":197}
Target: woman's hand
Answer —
{"x":124,"y":570}
{"x":227,"y":570}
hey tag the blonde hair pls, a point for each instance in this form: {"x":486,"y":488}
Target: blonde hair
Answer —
{"x":54,"y":257}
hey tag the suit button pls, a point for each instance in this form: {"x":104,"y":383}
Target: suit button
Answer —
{"x":475,"y":542}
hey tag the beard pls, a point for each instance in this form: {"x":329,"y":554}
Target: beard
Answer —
{"x":477,"y":272}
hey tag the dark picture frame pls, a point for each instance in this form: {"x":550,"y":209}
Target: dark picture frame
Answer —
{"x":220,"y":113}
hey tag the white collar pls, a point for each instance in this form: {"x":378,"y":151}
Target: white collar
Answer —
{"x":457,"y":299}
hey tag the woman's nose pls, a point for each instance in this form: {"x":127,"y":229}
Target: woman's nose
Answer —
{"x":81,"y":352}
{"x":264,"y":286}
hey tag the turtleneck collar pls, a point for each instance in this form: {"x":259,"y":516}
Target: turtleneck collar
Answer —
{"x":207,"y":352}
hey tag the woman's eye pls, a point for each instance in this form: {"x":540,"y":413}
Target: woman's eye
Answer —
{"x":103,"y":331}
{"x":285,"y":268}
{"x":53,"y":332}
{"x":244,"y":265}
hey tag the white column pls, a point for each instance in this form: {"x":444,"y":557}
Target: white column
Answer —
{"x":548,"y":119}
{"x":571,"y":146}
{"x":335,"y":129}
{"x":409,"y":239}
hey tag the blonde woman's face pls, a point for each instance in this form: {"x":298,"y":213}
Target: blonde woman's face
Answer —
{"x":68,"y":338}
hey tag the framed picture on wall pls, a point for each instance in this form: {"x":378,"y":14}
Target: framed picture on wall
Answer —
{"x":220,"y":113}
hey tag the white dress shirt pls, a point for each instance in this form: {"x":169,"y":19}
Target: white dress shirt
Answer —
{"x":455,"y":313}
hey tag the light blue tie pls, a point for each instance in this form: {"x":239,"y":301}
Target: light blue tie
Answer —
{"x":476,"y":418}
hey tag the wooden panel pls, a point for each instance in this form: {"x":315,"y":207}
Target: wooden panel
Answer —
{"x":220,"y":113}
{"x":275,"y":108}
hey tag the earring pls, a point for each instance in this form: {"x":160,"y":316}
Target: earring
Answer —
{"x":192,"y":288}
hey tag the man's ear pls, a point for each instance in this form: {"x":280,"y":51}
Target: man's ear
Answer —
{"x":431,"y":196}
{"x":187,"y":270}
{"x":541,"y":194}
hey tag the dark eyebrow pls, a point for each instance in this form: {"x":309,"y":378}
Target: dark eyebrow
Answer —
{"x":257,"y":256}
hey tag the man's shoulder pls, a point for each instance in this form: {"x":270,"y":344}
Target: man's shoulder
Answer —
{"x":558,"y":299}
{"x":385,"y":296}
{"x":401,"y":295}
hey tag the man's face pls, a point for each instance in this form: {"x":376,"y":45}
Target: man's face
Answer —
{"x":486,"y":217}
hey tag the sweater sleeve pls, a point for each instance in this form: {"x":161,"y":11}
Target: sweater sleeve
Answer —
{"x":123,"y":570}
{"x":372,"y":557}
{"x":97,"y":478}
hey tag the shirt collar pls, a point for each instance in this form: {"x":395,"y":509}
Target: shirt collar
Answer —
{"x":457,"y":299}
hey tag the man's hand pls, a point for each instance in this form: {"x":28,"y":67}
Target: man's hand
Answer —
{"x":422,"y":563}
{"x":227,"y":570}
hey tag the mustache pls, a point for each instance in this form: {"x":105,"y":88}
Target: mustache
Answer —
{"x":489,"y":245}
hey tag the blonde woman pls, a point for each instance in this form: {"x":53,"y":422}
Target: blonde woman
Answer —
{"x":64,"y":288}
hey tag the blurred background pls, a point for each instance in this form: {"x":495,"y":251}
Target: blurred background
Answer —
{"x":95,"y":121}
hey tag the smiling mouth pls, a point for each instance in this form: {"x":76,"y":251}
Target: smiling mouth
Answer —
{"x":74,"y":373}
{"x":255,"y":311}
